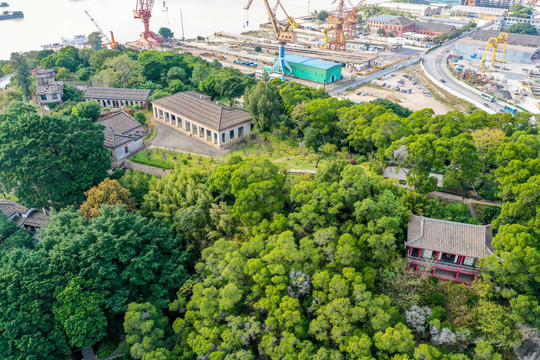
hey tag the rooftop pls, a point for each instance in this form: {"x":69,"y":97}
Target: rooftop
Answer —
{"x":119,"y":129}
{"x":200,"y":108}
{"x":449,"y":237}
{"x":513,"y":39}
{"x":53,"y":87}
{"x":401,"y":20}
{"x":321,"y":64}
{"x":117,"y":94}
{"x":22,"y":216}
{"x":426,"y":26}
{"x":443,"y":20}
{"x":479,"y":10}
{"x":383,"y":18}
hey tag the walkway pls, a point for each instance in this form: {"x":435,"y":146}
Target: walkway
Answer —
{"x":170,"y":138}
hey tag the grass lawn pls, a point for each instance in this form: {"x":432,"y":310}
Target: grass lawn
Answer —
{"x":168,"y":159}
{"x":9,"y":197}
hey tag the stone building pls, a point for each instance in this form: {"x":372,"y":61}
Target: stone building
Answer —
{"x":117,"y":98}
{"x":48,"y":90}
{"x":198,"y":116}
{"x":123,"y":135}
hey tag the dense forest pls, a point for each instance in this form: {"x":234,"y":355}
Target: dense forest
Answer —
{"x":244,"y":261}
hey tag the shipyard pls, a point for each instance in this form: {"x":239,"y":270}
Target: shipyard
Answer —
{"x":270,"y":179}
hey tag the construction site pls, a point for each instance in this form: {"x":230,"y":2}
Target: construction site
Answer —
{"x":501,"y":65}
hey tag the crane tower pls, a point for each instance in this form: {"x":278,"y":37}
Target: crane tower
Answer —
{"x":143,"y":11}
{"x":283,"y":35}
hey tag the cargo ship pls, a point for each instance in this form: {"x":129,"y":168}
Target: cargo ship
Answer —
{"x":5,"y":15}
{"x":4,"y":4}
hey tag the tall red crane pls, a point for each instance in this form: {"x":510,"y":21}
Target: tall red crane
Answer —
{"x":144,"y":12}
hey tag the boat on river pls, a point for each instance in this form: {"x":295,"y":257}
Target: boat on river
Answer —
{"x":6,"y":15}
{"x":4,"y":4}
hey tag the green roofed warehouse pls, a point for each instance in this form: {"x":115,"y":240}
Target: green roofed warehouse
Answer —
{"x":313,"y":69}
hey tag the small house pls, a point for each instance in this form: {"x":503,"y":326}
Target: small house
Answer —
{"x":48,"y":90}
{"x":117,"y":98}
{"x":123,"y":135}
{"x":30,"y":219}
{"x":446,"y":250}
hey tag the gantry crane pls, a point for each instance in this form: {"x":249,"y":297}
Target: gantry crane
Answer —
{"x":494,"y":43}
{"x":351,"y":21}
{"x":143,"y":11}
{"x":282,"y":36}
{"x":337,"y":20}
{"x":110,"y":41}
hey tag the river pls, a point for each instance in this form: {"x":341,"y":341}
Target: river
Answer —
{"x":46,"y":21}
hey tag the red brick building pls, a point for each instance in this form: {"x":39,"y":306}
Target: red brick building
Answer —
{"x":399,"y":26}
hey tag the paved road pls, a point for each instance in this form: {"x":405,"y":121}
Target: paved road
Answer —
{"x":434,"y":64}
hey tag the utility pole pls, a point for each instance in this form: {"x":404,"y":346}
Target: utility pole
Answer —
{"x":182,"y":22}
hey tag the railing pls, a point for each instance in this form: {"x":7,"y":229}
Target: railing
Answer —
{"x":443,"y":264}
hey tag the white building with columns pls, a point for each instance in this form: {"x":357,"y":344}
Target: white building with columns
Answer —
{"x":198,"y":116}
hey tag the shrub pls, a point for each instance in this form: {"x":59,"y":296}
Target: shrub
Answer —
{"x":436,"y":299}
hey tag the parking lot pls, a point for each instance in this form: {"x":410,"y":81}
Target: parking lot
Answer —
{"x":399,"y":87}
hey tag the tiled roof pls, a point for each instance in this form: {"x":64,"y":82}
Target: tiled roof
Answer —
{"x":118,"y":128}
{"x":383,"y":18}
{"x":402,"y":21}
{"x":449,"y":237}
{"x":22,"y":216}
{"x":442,"y":28}
{"x":117,"y":94}
{"x":317,"y":63}
{"x":54,"y":87}
{"x":197,"y":107}
{"x":9,"y":208}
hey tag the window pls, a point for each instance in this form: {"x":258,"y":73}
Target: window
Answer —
{"x":240,"y":131}
{"x":415,"y":252}
{"x":126,"y":149}
{"x":222,"y":137}
{"x":54,"y":96}
{"x":43,"y":97}
{"x":469,"y":261}
{"x":231,"y":134}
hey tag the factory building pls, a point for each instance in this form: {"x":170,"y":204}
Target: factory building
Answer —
{"x":503,"y":23}
{"x":485,"y":13}
{"x":519,"y":49}
{"x":313,"y":69}
{"x":457,"y":23}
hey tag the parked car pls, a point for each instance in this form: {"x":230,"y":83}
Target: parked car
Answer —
{"x":443,"y":81}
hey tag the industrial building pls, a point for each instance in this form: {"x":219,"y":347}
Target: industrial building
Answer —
{"x":503,"y":23}
{"x":485,"y":13}
{"x":519,"y":49}
{"x":314,"y":69}
{"x":413,"y":9}
{"x":457,"y":23}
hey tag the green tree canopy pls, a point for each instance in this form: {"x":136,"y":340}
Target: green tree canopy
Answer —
{"x":51,"y":160}
{"x":262,"y":101}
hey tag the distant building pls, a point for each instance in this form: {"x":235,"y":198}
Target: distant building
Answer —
{"x":485,"y":13}
{"x":30,"y":219}
{"x":48,"y":90}
{"x":320,"y":71}
{"x":495,"y":3}
{"x":503,"y":23}
{"x":413,"y":9}
{"x":117,"y":98}
{"x":432,"y":29}
{"x":400,"y":26}
{"x":446,"y":250}
{"x":123,"y":135}
{"x":198,"y":116}
{"x":457,"y":23}
{"x":519,"y":49}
